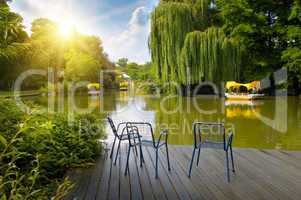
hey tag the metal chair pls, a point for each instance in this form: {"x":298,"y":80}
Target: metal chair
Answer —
{"x":156,"y":144}
{"x":121,"y":136}
{"x":212,"y":135}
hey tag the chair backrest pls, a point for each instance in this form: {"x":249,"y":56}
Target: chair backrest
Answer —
{"x":135,"y":128}
{"x":113,"y":127}
{"x":210,"y":133}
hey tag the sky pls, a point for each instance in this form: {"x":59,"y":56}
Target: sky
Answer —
{"x":122,"y":25}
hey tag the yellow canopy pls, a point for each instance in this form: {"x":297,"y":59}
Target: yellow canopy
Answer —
{"x":124,"y":84}
{"x":253,"y":85}
{"x":93,"y":86}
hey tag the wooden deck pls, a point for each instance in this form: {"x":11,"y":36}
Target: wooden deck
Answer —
{"x":260,"y":174}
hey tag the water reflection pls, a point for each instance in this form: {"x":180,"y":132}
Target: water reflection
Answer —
{"x":178,"y":114}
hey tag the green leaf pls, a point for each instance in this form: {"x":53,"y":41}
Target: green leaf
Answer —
{"x":3,"y":140}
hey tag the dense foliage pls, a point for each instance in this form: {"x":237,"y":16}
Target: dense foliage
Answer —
{"x":291,"y":56}
{"x":72,"y":58}
{"x":184,"y":50}
{"x":268,"y":32}
{"x":170,"y":24}
{"x":37,"y":149}
{"x":141,"y":72}
{"x":143,"y":75}
{"x":209,"y":56}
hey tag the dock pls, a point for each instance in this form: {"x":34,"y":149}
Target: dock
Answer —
{"x":260,"y":174}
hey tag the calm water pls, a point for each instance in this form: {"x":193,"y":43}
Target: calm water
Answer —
{"x":272,"y":123}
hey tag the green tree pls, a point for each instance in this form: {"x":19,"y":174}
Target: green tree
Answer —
{"x":140,"y":72}
{"x":91,"y":60}
{"x":185,"y":43}
{"x":81,"y":56}
{"x":261,"y":27}
{"x":122,"y":62}
{"x":292,"y":55}
{"x":268,"y":33}
{"x":12,"y":45}
{"x":81,"y":67}
{"x":48,"y":46}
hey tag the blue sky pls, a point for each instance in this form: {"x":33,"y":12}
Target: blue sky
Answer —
{"x":123,"y":25}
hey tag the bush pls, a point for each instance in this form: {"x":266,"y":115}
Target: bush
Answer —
{"x":147,"y":87}
{"x":36,"y":150}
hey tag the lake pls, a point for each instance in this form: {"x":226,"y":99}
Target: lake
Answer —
{"x":272,"y":123}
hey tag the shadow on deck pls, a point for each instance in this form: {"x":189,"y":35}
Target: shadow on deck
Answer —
{"x":260,"y":174}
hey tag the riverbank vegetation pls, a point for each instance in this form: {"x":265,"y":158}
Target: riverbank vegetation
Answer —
{"x":256,"y":38}
{"x":36,"y":150}
{"x":143,"y":75}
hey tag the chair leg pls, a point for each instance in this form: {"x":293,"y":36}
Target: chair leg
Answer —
{"x":127,"y":161}
{"x":198,"y":159}
{"x":118,"y":148}
{"x":232,"y":159}
{"x":227,"y":163}
{"x":112,"y":150}
{"x":157,"y":163}
{"x":191,"y":162}
{"x":141,"y":152}
{"x":141,"y":155}
{"x":167,"y":154}
{"x":135,"y":146}
{"x":143,"y":158}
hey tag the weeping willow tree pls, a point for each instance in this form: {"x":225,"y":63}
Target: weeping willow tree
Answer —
{"x":208,"y":56}
{"x":185,"y":49}
{"x":170,"y":24}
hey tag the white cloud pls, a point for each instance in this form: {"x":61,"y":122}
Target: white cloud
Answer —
{"x":132,"y":42}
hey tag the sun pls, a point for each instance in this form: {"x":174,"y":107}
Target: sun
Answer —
{"x":66,"y":28}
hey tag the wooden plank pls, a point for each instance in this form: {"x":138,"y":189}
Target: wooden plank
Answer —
{"x":125,"y":186}
{"x":157,"y":185}
{"x":218,"y":174}
{"x":200,"y":176}
{"x":103,"y":191}
{"x":114,"y":181}
{"x":136,"y":192}
{"x":260,"y":174}
{"x":257,"y":171}
{"x":292,"y":162}
{"x":242,"y":183}
{"x":184,"y":161}
{"x":146,"y":187}
{"x":293,"y":154}
{"x":282,"y":169}
{"x":181,"y":180}
{"x":167,"y":184}
{"x":174,"y":179}
{"x":81,"y":179}
{"x":95,"y":179}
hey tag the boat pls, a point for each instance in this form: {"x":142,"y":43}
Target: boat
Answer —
{"x":93,"y":89}
{"x":124,"y":86}
{"x":239,"y":91}
{"x":244,"y":96}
